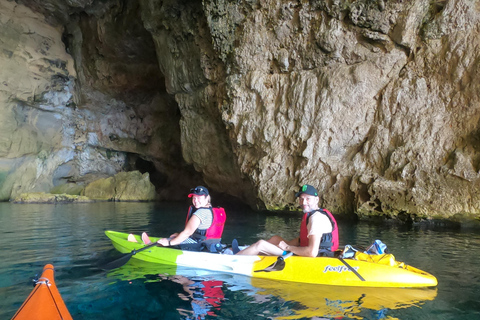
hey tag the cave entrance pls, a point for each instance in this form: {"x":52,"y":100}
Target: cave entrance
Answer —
{"x":157,"y":178}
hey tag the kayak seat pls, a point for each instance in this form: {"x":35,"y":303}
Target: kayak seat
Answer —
{"x":205,"y":245}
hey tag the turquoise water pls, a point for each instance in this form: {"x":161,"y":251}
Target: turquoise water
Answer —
{"x":71,"y":237}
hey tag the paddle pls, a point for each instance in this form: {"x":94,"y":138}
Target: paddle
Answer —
{"x":278,"y":265}
{"x":124,"y":259}
{"x":351,"y":269}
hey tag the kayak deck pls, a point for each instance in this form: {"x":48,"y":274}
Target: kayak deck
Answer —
{"x":319,"y":270}
{"x":44,"y":302}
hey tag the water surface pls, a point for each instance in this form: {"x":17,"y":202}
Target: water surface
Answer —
{"x":71,"y":237}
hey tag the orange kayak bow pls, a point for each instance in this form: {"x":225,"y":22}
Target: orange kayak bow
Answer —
{"x":44,"y":302}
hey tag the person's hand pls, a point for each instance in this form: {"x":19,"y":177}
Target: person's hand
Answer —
{"x":164,"y":242}
{"x":284,"y":246}
{"x":174,"y":235}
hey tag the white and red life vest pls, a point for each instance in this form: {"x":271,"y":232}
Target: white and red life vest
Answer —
{"x":215,"y":230}
{"x":329,"y":241}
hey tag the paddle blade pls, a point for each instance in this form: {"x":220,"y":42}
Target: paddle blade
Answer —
{"x":118,"y":262}
{"x":278,"y":265}
{"x":124,"y":259}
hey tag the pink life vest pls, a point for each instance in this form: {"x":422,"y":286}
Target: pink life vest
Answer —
{"x":216,"y":229}
{"x":329,"y":241}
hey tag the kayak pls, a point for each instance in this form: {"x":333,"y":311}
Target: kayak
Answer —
{"x":311,"y":301}
{"x":44,"y":302}
{"x":318,"y":270}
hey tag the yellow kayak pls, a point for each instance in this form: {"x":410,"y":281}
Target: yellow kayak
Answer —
{"x":312,"y":300}
{"x":319,"y":270}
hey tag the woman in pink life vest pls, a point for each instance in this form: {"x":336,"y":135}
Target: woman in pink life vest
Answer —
{"x":318,"y":231}
{"x":203,"y":226}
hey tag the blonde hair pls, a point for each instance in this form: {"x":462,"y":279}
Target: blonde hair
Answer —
{"x":209,"y":201}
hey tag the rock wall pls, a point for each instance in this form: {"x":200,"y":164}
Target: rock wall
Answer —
{"x":374,"y":102}
{"x":36,"y":88}
{"x":195,"y":76}
{"x":345,"y":95}
{"x":83,"y":99}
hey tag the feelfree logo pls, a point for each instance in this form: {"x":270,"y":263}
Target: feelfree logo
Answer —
{"x":338,"y":269}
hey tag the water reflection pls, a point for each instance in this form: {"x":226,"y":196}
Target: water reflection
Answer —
{"x":334,"y":301}
{"x":212,"y":293}
{"x":72,"y":238}
{"x":204,"y":295}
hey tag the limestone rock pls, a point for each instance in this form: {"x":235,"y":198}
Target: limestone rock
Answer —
{"x":68,"y":188}
{"x":133,"y":186}
{"x":374,"y":102}
{"x":101,"y":189}
{"x":124,"y":186}
{"x":64,"y":124}
{"x":42,"y":197}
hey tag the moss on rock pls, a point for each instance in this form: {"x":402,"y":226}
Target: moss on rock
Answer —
{"x":68,"y":188}
{"x":124,"y":186}
{"x":101,"y":189}
{"x":42,"y":197}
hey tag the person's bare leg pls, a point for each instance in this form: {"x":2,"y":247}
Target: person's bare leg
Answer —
{"x":276,"y":240}
{"x":262,"y":247}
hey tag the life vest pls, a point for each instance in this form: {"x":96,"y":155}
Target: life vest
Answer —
{"x":329,"y":241}
{"x":215,"y":230}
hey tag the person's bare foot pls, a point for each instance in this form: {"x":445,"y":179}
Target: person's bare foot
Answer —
{"x":145,"y":238}
{"x":131,"y":238}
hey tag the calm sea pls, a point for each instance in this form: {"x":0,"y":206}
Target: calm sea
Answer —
{"x":71,"y":237}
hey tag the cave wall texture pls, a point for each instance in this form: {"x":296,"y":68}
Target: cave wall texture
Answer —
{"x":375,"y":102}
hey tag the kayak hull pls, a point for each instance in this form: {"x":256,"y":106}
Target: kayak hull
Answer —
{"x":311,"y":300}
{"x":319,"y":270}
{"x":45,"y":301}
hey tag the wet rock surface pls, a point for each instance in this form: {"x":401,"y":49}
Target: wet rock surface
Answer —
{"x":373,"y":102}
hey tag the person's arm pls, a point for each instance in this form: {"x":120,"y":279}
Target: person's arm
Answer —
{"x":317,"y":226}
{"x":310,"y":251}
{"x":294,"y":242}
{"x":190,"y":228}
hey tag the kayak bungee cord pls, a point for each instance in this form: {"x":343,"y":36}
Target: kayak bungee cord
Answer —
{"x":38,"y":283}
{"x":46,"y":282}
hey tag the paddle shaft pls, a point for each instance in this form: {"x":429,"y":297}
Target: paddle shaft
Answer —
{"x":351,"y":269}
{"x":126,"y":257}
{"x":288,"y":255}
{"x":279,"y":265}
